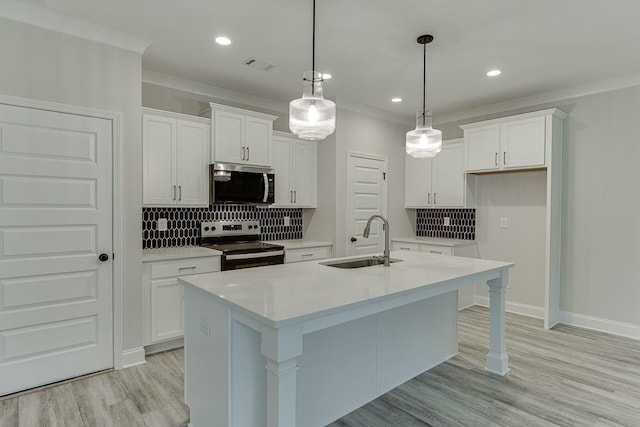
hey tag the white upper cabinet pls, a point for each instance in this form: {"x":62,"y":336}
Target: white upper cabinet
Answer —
{"x":436,"y":182}
{"x":175,"y":159}
{"x":241,"y":136}
{"x":516,"y":142}
{"x":295,"y":165}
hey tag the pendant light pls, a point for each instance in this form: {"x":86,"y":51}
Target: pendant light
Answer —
{"x":424,"y":141}
{"x":312,"y":117}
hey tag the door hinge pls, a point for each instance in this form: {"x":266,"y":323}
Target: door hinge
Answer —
{"x":384,"y":176}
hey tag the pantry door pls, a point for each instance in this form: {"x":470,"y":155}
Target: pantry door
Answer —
{"x":366,"y":196}
{"x":55,"y":222}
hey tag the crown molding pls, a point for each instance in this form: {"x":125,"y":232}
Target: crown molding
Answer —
{"x":372,"y":111}
{"x":206,"y":92}
{"x":43,"y":18}
{"x":542,"y":98}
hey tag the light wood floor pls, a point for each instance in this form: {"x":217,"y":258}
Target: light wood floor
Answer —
{"x":565,"y":377}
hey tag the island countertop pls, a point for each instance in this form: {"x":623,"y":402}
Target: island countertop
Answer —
{"x":295,"y":291}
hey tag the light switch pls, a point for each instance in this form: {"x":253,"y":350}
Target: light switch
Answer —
{"x":287,"y":221}
{"x":503,"y":222}
{"x":162,"y":224}
{"x":447,"y":221}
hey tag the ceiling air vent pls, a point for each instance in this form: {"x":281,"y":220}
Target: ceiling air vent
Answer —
{"x":257,"y":64}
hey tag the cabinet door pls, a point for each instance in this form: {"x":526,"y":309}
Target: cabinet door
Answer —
{"x":158,"y":157}
{"x":193,"y":163}
{"x":448,"y":177}
{"x":258,"y":141}
{"x":417,"y":182}
{"x":523,"y":143}
{"x":305,"y":175}
{"x":482,"y":147}
{"x":282,"y":168}
{"x":228,"y":137}
{"x":167,"y":317}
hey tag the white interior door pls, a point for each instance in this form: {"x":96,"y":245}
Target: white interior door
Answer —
{"x":366,"y":196}
{"x":55,"y":220}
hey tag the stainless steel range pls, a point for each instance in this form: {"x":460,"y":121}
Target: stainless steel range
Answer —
{"x":239,"y":242}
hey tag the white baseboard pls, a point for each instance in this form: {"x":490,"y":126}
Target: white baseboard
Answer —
{"x":514,"y":307}
{"x":133,"y":357}
{"x":164,"y":346}
{"x":599,"y":324}
{"x":466,"y":306}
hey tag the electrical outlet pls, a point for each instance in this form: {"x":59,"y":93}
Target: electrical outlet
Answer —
{"x":162,"y":224}
{"x":503,"y":222}
{"x":446,"y":221}
{"x":205,"y":327}
{"x":287,"y":221}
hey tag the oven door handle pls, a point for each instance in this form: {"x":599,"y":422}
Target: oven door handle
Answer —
{"x":254,"y":255}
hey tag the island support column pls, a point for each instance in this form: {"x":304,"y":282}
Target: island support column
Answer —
{"x":497,"y":360}
{"x":282,"y":347}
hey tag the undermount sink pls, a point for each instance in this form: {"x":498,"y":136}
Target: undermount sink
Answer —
{"x":358,"y":262}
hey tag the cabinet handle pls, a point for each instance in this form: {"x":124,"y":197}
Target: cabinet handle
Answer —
{"x":404,"y":248}
{"x":179,"y":192}
{"x":305,"y":255}
{"x":174,"y":192}
{"x":243,"y":154}
{"x":436,"y":252}
{"x":295,"y":196}
{"x":290,"y":196}
{"x":504,"y":158}
{"x":435,"y":202}
{"x":496,"y":159}
{"x":248,"y":154}
{"x":187,"y":268}
{"x":428,"y":198}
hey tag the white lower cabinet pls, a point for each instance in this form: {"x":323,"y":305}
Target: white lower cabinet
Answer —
{"x":307,"y":254}
{"x":164,"y":296}
{"x":466,"y":297}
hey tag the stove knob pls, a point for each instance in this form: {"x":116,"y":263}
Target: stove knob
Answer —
{"x":250,"y":227}
{"x":206,"y":229}
{"x":213,"y":229}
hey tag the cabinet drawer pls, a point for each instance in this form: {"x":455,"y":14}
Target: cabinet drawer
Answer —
{"x":435,"y":249}
{"x":306,"y":254}
{"x":185,"y":267}
{"x":402,"y":246}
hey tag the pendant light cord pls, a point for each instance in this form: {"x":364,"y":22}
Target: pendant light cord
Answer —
{"x":313,"y":51}
{"x":424,"y":91}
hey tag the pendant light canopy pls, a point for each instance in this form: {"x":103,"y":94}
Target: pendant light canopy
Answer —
{"x":312,"y":117}
{"x":424,"y":141}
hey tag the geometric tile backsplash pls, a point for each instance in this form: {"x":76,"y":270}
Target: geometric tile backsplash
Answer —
{"x":184,"y":223}
{"x":462,"y":223}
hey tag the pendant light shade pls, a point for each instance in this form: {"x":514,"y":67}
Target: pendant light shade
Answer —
{"x":312,"y":117}
{"x":424,"y":141}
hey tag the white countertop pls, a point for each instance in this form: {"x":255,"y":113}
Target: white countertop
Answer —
{"x":434,"y":241}
{"x":161,"y":254}
{"x":285,"y":292}
{"x":300,"y":243}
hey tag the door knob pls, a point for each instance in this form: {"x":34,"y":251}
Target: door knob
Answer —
{"x":353,"y":239}
{"x":103,"y":257}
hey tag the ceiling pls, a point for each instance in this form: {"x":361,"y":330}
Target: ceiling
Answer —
{"x":369,"y":46}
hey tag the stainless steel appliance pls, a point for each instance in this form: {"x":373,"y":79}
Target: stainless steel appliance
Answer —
{"x":239,"y":242}
{"x":241,"y":184}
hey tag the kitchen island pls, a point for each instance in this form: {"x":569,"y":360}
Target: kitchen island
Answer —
{"x":304,"y":344}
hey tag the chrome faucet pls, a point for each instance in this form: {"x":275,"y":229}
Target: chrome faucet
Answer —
{"x":385,"y":227}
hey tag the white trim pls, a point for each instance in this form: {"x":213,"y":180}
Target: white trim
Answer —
{"x":133,"y":357}
{"x":206,"y":93}
{"x":599,"y":324}
{"x":164,"y":346}
{"x":347,"y":104}
{"x":174,"y":115}
{"x":467,"y":306}
{"x":540,"y":113}
{"x":514,"y":307}
{"x":118,"y":274}
{"x":49,"y":20}
{"x":540,"y":99}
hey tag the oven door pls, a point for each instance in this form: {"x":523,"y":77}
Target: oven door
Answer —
{"x":257,"y":259}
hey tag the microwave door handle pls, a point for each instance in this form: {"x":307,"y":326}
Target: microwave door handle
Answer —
{"x":266,"y":188}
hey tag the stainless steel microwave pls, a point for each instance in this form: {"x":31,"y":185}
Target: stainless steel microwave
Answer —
{"x":231,"y":183}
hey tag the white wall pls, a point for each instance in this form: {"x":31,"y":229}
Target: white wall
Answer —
{"x":45,"y":65}
{"x":601,"y":231}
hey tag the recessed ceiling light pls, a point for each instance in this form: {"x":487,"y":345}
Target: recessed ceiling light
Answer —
{"x":326,"y":76}
{"x":396,"y":99}
{"x":224,"y":41}
{"x":494,"y":73}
